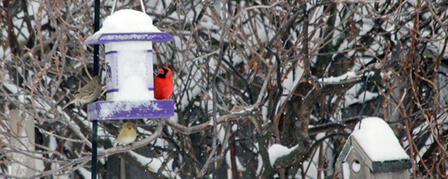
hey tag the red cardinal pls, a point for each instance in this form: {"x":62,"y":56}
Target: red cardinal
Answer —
{"x":163,"y":84}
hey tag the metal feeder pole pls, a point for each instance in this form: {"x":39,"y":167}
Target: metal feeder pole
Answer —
{"x":96,"y":27}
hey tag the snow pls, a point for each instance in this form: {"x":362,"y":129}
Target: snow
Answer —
{"x":208,"y":23}
{"x":85,"y":173}
{"x":221,"y":132}
{"x":39,"y":164}
{"x":367,"y":25}
{"x":52,"y":144}
{"x":153,"y":163}
{"x":311,"y":165}
{"x":259,"y":164}
{"x":311,"y":168}
{"x":128,"y":20}
{"x":239,"y":166}
{"x":277,"y":150}
{"x":349,"y":99}
{"x":10,"y":86}
{"x":337,"y":79}
{"x":264,"y":112}
{"x":108,"y":109}
{"x":293,"y":78}
{"x":234,"y":127}
{"x":378,"y":140}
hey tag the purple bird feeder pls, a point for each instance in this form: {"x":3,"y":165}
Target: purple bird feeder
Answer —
{"x":127,"y":36}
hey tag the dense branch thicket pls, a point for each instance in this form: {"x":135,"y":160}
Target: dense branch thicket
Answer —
{"x":248,"y":74}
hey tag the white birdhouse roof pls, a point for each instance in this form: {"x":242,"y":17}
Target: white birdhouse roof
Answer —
{"x":378,"y":140}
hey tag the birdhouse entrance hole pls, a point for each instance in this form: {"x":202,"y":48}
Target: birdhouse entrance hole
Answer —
{"x":356,"y":166}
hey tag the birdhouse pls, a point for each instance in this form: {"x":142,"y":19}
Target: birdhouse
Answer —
{"x":373,"y":151}
{"x":128,"y":36}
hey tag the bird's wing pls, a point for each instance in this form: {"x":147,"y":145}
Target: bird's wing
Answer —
{"x":92,"y":85}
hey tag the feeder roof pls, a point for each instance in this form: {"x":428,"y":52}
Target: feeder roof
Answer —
{"x":378,"y":140}
{"x":128,"y":25}
{"x":128,"y":20}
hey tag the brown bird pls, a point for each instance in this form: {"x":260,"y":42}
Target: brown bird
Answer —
{"x":88,"y":93}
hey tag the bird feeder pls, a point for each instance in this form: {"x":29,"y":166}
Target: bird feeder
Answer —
{"x":128,"y":36}
{"x":373,"y":151}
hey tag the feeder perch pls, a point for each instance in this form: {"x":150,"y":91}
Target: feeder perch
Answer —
{"x":127,"y":36}
{"x":373,"y":151}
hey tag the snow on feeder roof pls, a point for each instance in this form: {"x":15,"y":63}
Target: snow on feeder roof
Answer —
{"x":128,"y":25}
{"x":128,"y":20}
{"x":127,"y":36}
{"x":378,"y":140}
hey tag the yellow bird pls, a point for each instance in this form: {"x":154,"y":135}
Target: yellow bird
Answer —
{"x":127,"y":134}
